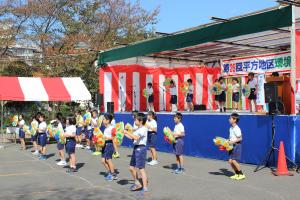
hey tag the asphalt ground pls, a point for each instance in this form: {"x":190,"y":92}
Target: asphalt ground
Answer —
{"x":23,"y":176}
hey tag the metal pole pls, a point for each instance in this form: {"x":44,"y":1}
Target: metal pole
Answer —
{"x":2,"y":117}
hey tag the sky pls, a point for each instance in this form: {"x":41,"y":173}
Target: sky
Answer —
{"x":176,"y":15}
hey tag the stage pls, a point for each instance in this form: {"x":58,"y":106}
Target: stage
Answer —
{"x":202,"y":127}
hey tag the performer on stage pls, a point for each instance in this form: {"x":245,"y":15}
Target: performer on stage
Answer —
{"x":235,"y":93}
{"x":189,"y":96}
{"x":222,"y":96}
{"x":150,"y":97}
{"x":217,"y":98}
{"x":173,"y":100}
{"x":253,"y":84}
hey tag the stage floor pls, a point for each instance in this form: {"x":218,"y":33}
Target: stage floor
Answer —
{"x":204,"y":112}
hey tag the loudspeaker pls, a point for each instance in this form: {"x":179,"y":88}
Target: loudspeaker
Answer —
{"x":200,"y":107}
{"x":110,"y":107}
{"x":98,"y":100}
{"x":271,"y":94}
{"x":276,"y":108}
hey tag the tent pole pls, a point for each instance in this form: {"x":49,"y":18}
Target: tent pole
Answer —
{"x":2,"y":117}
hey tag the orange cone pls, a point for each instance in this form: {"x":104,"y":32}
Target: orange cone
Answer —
{"x":282,"y":169}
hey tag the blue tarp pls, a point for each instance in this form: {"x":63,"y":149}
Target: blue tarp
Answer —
{"x":202,"y":128}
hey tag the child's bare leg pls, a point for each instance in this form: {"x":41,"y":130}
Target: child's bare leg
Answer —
{"x":105,"y":164}
{"x":134,"y":175}
{"x":153,"y":153}
{"x":110,"y":165}
{"x":180,"y":159}
{"x":144,"y":178}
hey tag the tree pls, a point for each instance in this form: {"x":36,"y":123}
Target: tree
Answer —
{"x":70,"y":33}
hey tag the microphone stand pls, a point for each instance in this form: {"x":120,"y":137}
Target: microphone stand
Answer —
{"x":134,"y":99}
{"x":163,"y":89}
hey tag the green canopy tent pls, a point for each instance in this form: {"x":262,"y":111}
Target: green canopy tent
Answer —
{"x":263,"y":32}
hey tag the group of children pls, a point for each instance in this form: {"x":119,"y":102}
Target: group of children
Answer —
{"x":172,"y":89}
{"x":236,"y":88}
{"x":144,"y":135}
{"x":220,"y":99}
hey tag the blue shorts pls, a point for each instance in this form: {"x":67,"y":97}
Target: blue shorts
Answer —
{"x":189,"y":98}
{"x":236,"y":97}
{"x":139,"y":157}
{"x":42,"y":139}
{"x":70,"y":146}
{"x":78,"y":130}
{"x":222,"y":97}
{"x":173,"y":99}
{"x":151,"y":139}
{"x":34,"y":138}
{"x":60,"y":146}
{"x":178,"y":147}
{"x":21,"y":133}
{"x":108,"y":150}
{"x":151,"y":99}
{"x":236,"y":152}
{"x":89,"y":133}
{"x":252,"y":95}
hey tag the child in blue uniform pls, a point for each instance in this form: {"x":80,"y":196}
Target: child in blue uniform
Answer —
{"x":189,"y":95}
{"x":179,"y":135}
{"x":34,"y":137}
{"x":139,"y":154}
{"x":94,"y":124}
{"x":235,"y":138}
{"x":108,"y":149}
{"x":222,"y":96}
{"x":152,"y":137}
{"x":88,"y":131}
{"x":21,"y":123}
{"x":79,"y":128}
{"x":42,"y":136}
{"x":150,"y":97}
{"x":70,"y":133}
{"x":60,"y":147}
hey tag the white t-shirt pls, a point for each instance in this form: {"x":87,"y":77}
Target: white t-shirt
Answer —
{"x":236,"y":87}
{"x":234,"y":132}
{"x":152,"y":124}
{"x":108,"y":131}
{"x":113,"y":122}
{"x":135,"y":127}
{"x":173,"y":90}
{"x":150,"y":91}
{"x":71,"y":129}
{"x":21,"y":123}
{"x":142,"y":132}
{"x":191,"y":89}
{"x":43,"y":126}
{"x":93,"y":122}
{"x":179,"y":129}
{"x":253,"y":83}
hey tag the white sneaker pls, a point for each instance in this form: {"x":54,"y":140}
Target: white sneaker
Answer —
{"x":78,"y":146}
{"x":62,"y":163}
{"x":87,"y":147}
{"x":36,"y":153}
{"x":153,"y":162}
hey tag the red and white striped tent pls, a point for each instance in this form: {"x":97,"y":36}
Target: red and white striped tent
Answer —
{"x":43,"y":89}
{"x":124,"y":84}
